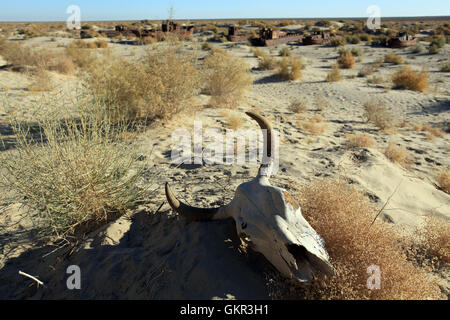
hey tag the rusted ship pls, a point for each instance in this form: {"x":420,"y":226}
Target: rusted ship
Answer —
{"x":167,"y":27}
{"x":234,"y":35}
{"x":402,"y":40}
{"x":269,"y":37}
{"x":317,"y":37}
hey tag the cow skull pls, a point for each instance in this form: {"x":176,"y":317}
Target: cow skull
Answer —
{"x":270,"y":220}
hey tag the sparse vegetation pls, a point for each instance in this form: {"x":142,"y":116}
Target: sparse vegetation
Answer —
{"x":346,"y":60}
{"x":298,"y":106}
{"x":285,"y":52}
{"x":362,"y":140}
{"x":334,"y":75}
{"x":226,"y":79}
{"x":407,"y":78}
{"x":342,"y":215}
{"x":398,"y":154}
{"x":158,"y":86}
{"x":77,"y":175}
{"x":443,"y":180}
{"x":418,"y":48}
{"x":290,"y":69}
{"x":338,"y":42}
{"x":393,"y":58}
{"x":445,"y":67}
{"x":267,"y":62}
{"x":375,"y":112}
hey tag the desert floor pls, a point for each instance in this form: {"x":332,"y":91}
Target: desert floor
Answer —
{"x":161,"y":256}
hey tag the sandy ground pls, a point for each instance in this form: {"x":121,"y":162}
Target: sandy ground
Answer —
{"x":162,"y":256}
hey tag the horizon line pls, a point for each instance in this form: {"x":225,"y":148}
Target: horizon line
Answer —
{"x":225,"y":19}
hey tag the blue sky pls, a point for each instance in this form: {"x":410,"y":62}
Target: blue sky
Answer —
{"x":55,"y":10}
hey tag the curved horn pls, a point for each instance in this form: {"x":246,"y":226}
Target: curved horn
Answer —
{"x":191,"y":213}
{"x":265,"y":125}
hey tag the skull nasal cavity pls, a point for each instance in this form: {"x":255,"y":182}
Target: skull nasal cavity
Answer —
{"x":299,"y":252}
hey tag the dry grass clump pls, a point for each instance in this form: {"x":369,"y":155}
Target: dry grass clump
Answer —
{"x":443,"y":180}
{"x":24,"y":58}
{"x":362,"y":140}
{"x":321,"y":103}
{"x":346,"y":60}
{"x":77,"y":174}
{"x":406,"y":78}
{"x":267,"y":62}
{"x":312,"y":127}
{"x":445,"y":67}
{"x":41,"y":81}
{"x":158,"y":86}
{"x":259,"y":53}
{"x":398,"y":154}
{"x":376,"y":112}
{"x":436,"y":239}
{"x":434,"y":132}
{"x":393,"y":58}
{"x":367,"y":70}
{"x":298,"y":106}
{"x":227,"y":79}
{"x":285,"y":52}
{"x":234,"y":121}
{"x":290,"y":69}
{"x":342,"y":216}
{"x":83,"y":59}
{"x":334,"y":75}
{"x":81,"y":44}
{"x":338,"y":42}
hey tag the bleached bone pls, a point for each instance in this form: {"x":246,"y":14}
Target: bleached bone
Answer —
{"x":270,"y":220}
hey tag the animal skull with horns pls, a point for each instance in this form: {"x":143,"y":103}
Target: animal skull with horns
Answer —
{"x":269,"y":219}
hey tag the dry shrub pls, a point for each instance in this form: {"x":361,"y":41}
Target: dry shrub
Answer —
{"x":83,"y":59}
{"x":290,"y":69}
{"x":285,"y":52}
{"x":334,"y":75}
{"x":321,"y":103}
{"x":376,"y":112}
{"x":41,"y":81}
{"x":406,"y":78}
{"x":317,"y":118}
{"x":266,"y":62}
{"x":445,"y":67}
{"x":366,"y":70}
{"x":434,"y":132}
{"x":227,"y":79}
{"x":298,"y":106}
{"x":312,"y":127}
{"x":342,"y":216}
{"x":346,"y":60}
{"x":234,"y":121}
{"x":443,"y":180}
{"x":81,"y":44}
{"x":158,"y":86}
{"x":362,"y":140}
{"x":393,"y":58}
{"x":23,"y":58}
{"x":77,"y":174}
{"x":436,"y":239}
{"x":398,"y":154}
{"x":338,"y":42}
{"x":258,"y":53}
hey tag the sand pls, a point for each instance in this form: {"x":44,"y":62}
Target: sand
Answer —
{"x":161,"y":256}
